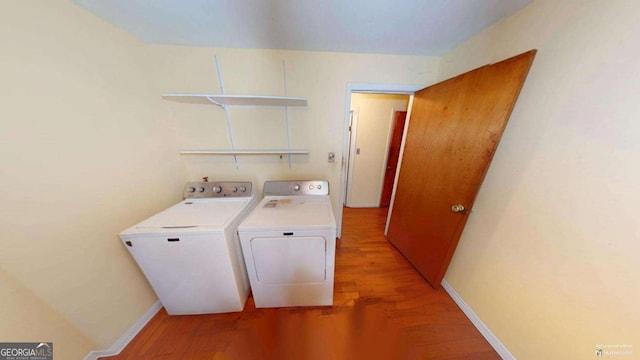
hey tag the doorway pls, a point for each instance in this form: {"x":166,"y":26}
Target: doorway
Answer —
{"x":375,"y":131}
{"x":459,"y":156}
{"x":393,"y":156}
{"x":363,"y":88}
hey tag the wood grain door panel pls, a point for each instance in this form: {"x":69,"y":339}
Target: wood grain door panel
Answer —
{"x":454,"y":129}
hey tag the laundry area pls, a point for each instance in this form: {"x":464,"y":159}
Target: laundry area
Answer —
{"x":175,"y":186}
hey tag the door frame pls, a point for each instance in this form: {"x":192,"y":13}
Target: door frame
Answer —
{"x":350,"y":155}
{"x":407,"y":89}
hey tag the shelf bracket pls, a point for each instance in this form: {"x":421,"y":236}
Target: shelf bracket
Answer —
{"x":286,"y":110}
{"x":224,"y":107}
{"x":215,"y":102}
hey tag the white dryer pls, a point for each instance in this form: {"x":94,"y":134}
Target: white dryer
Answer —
{"x":289,"y":243}
{"x":190,"y":252}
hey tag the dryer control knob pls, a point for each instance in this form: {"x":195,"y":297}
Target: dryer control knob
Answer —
{"x":234,"y":189}
{"x":243,"y":189}
{"x":217,"y":189}
{"x":200,"y":189}
{"x":191,"y":189}
{"x":296,"y":187}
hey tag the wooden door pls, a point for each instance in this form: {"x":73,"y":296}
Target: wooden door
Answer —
{"x":454,"y":130}
{"x":393,"y":155}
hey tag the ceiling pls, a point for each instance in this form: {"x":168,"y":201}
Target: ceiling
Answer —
{"x":408,"y":27}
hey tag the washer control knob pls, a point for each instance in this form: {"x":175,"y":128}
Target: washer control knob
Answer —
{"x":319,"y":187}
{"x":200,"y":189}
{"x":296,"y":187}
{"x":243,"y":189}
{"x":217,"y":189}
{"x":191,"y":189}
{"x":234,"y":189}
{"x":310,"y":187}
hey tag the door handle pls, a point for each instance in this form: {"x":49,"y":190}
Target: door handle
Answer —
{"x":457,"y":208}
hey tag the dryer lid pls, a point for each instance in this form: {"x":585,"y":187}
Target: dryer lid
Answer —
{"x":276,"y":212}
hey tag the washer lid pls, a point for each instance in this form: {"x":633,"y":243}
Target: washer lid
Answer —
{"x":192,"y":213}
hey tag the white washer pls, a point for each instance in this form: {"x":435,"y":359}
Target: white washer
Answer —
{"x":289,"y":243}
{"x":190,"y":252}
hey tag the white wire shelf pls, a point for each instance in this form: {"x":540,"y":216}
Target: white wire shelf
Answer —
{"x":245,"y":152}
{"x":236,"y":100}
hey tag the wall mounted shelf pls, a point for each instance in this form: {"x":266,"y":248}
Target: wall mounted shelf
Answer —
{"x":236,"y":100}
{"x":223,"y":100}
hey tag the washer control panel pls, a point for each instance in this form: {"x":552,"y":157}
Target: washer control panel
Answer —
{"x":205,"y":189}
{"x":296,"y":187}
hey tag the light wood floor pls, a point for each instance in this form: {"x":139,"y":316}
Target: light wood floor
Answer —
{"x":383,"y":309}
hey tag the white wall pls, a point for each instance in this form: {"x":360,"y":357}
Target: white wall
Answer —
{"x":549,"y":258}
{"x":84,"y":155}
{"x":374,"y":126}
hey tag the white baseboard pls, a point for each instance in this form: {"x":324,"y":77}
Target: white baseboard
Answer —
{"x":128,"y":335}
{"x":484,"y":330}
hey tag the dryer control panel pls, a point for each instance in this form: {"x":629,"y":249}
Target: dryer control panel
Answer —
{"x":296,"y":187}
{"x":205,"y":189}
